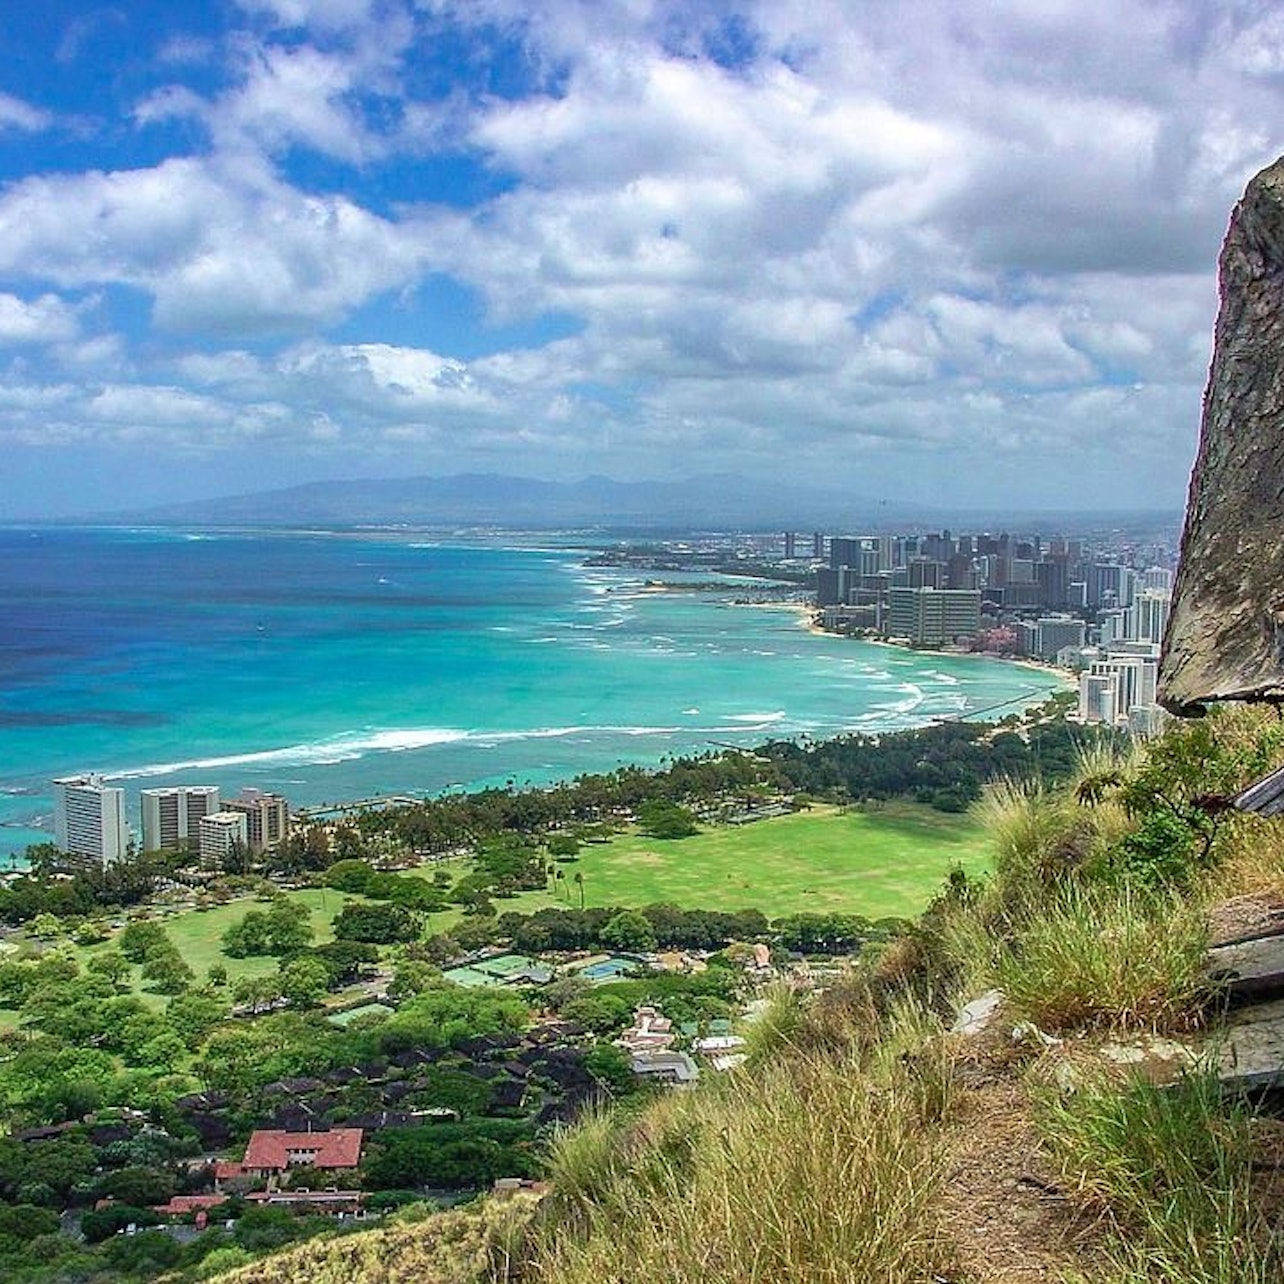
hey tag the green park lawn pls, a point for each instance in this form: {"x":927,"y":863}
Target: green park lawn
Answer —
{"x":198,"y":933}
{"x":889,"y":861}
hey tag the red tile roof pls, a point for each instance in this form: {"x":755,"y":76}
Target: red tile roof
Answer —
{"x":272,"y":1149}
{"x":180,"y":1204}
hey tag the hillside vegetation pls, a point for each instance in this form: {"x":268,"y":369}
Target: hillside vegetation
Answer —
{"x":863,"y":1141}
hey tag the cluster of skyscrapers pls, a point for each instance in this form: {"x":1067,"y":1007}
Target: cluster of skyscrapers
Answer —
{"x":1056,"y":601}
{"x":90,"y":822}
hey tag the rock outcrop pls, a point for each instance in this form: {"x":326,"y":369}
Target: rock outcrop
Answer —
{"x":1225,"y":638}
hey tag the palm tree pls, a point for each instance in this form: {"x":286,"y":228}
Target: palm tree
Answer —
{"x":579,"y":878}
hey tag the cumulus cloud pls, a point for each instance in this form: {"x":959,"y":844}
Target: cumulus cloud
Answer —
{"x":897,"y":233}
{"x":43,"y":320}
{"x":225,"y":249}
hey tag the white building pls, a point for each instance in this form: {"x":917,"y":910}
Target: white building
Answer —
{"x":1118,"y":682}
{"x":171,"y":816}
{"x":220,"y":832}
{"x":1053,"y":633}
{"x":1148,"y":615}
{"x":89,"y":819}
{"x":932,"y":617}
{"x":1098,"y":698}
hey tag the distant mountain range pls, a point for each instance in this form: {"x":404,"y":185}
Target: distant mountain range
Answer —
{"x":486,"y":499}
{"x":719,"y":502}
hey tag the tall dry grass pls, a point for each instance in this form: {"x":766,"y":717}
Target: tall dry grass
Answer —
{"x":1109,"y":958}
{"x":807,"y":1171}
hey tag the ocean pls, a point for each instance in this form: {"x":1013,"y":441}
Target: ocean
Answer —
{"x":330,"y":666}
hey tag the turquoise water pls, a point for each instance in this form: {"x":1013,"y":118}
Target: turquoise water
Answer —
{"x":332,"y":666}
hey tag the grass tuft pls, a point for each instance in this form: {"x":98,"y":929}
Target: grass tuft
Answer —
{"x":805,"y":1171}
{"x":1109,"y":958}
{"x":1172,"y":1170}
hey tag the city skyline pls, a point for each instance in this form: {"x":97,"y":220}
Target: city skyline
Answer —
{"x":958,"y":259}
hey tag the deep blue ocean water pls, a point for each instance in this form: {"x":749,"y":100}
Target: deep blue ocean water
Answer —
{"x":332,"y":666}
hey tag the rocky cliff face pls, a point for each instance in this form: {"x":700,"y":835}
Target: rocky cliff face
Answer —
{"x":1225,"y":638}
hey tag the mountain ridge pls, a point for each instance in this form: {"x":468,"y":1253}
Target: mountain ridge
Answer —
{"x":713,"y":501}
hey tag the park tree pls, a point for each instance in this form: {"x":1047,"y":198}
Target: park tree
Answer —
{"x":350,"y":875}
{"x":140,"y":938}
{"x":666,"y":820}
{"x":167,"y":971}
{"x":194,"y":1013}
{"x":377,"y":924}
{"x":630,"y":930}
{"x":284,"y":928}
{"x":563,"y":846}
{"x":112,"y":965}
{"x":304,"y":981}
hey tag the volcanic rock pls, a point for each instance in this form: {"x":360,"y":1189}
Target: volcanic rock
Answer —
{"x":1225,"y":637}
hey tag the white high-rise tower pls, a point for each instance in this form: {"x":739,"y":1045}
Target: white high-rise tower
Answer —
{"x":89,"y":819}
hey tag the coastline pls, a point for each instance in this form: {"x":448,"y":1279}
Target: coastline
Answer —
{"x":808,"y":617}
{"x":526,"y":673}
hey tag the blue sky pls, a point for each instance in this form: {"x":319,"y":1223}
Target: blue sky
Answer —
{"x":954,"y":254}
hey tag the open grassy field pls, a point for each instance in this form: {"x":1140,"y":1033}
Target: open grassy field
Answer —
{"x":885,"y":862}
{"x":889,"y":861}
{"x":197,"y":934}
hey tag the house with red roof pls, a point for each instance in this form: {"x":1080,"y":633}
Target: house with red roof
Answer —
{"x":275,"y":1152}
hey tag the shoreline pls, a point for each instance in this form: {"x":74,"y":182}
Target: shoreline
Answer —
{"x":807,"y":621}
{"x":367,"y":756}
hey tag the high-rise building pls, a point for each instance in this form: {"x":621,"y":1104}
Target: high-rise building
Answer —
{"x":791,"y":546}
{"x":1133,"y":675}
{"x":219,"y":833}
{"x":171,"y":816}
{"x":930,"y":616}
{"x":1056,"y":632}
{"x":267,"y":817}
{"x":89,"y":819}
{"x":1098,"y":698}
{"x":1148,"y":615}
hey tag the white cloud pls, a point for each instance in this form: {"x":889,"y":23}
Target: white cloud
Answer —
{"x":22,"y":117}
{"x":225,"y":248}
{"x":46,"y":319}
{"x":895,"y":231}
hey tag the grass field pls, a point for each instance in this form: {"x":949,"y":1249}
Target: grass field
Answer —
{"x":197,"y":934}
{"x":885,"y":862}
{"x":877,"y":863}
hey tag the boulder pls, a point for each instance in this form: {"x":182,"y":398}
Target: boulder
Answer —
{"x":1225,"y":637}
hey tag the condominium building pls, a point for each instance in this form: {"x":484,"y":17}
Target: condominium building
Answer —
{"x":89,"y":819}
{"x":931,"y":616}
{"x":267,"y":817}
{"x":171,"y":816}
{"x":1118,"y":682}
{"x":219,"y":833}
{"x":1148,"y":615}
{"x":1049,"y":635}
